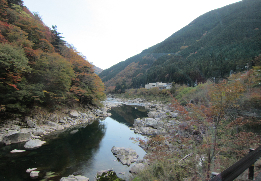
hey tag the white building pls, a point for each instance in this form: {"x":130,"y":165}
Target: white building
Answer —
{"x":160,"y":85}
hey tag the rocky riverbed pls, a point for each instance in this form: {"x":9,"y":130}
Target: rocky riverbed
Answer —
{"x":161,"y":120}
{"x":35,"y":127}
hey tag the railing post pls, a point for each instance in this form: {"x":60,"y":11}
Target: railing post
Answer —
{"x":251,"y":168}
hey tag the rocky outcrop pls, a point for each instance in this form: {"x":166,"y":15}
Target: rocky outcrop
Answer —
{"x":74,"y":178}
{"x":154,"y":126}
{"x":102,"y":112}
{"x":125,"y":155}
{"x":37,"y":126}
{"x":35,"y":143}
{"x":16,"y":138}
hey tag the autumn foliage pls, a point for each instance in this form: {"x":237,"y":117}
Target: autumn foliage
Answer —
{"x":38,"y":68}
{"x":213,"y":133}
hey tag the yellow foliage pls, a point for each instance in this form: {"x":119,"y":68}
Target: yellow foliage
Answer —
{"x":183,"y":47}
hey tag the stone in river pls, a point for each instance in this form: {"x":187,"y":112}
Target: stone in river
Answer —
{"x":17,"y":151}
{"x":36,"y":143}
{"x":34,"y":174}
{"x":125,"y":155}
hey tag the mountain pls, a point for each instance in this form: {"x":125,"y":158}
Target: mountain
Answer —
{"x":215,"y":44}
{"x":97,"y":70}
{"x":38,"y":69}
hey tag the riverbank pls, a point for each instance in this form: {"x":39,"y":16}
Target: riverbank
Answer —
{"x":39,"y":125}
{"x":34,"y":127}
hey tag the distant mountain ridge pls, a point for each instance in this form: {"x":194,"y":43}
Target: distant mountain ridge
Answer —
{"x":97,"y":70}
{"x":215,"y":44}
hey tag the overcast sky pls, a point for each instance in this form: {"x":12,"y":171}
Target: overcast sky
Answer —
{"x":110,"y":31}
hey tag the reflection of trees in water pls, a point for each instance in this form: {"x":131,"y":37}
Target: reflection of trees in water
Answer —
{"x":127,"y":113}
{"x":63,"y":155}
{"x":79,"y":148}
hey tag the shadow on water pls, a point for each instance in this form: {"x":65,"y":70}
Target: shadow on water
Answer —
{"x":127,"y":113}
{"x":63,"y":155}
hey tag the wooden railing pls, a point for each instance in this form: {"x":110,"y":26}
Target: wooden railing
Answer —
{"x":239,"y":167}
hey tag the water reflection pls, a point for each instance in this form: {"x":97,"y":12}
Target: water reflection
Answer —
{"x":83,"y":153}
{"x":127,"y":113}
{"x":63,"y":155}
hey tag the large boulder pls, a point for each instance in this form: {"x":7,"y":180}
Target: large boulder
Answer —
{"x":35,"y":143}
{"x":74,"y":178}
{"x":16,"y":138}
{"x":34,"y":174}
{"x":74,"y":114}
{"x":125,"y":155}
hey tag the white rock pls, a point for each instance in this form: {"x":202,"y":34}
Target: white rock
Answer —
{"x":73,"y":114}
{"x":30,"y":169}
{"x":36,"y":143}
{"x":17,"y":151}
{"x":74,"y":131}
{"x":34,"y":174}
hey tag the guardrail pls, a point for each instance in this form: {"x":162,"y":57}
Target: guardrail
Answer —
{"x":239,"y":167}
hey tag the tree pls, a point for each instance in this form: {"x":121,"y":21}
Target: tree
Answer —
{"x":18,"y":37}
{"x":18,"y":2}
{"x":86,"y":86}
{"x":3,"y":12}
{"x":55,"y":73}
{"x":13,"y":67}
{"x":57,"y":39}
{"x":120,"y":88}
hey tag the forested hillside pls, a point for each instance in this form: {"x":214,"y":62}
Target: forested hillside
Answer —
{"x":39,"y":68}
{"x":215,"y":44}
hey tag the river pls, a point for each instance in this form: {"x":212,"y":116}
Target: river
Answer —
{"x":82,"y":153}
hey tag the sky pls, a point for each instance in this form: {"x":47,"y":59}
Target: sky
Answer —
{"x":110,"y":31}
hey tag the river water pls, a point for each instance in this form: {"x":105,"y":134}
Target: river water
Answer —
{"x":82,"y":153}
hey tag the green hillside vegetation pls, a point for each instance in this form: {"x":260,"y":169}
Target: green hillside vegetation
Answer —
{"x":218,"y":123}
{"x":215,"y":44}
{"x":38,"y":68}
